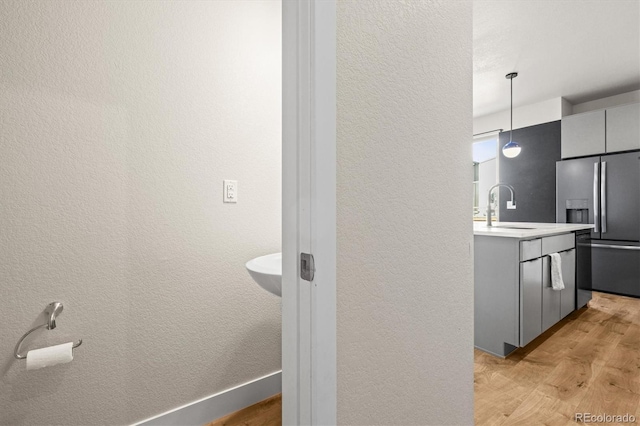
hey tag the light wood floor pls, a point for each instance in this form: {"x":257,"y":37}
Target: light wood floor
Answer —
{"x":264,"y":413}
{"x":588,"y":363}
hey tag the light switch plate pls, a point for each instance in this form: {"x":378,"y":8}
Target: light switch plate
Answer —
{"x":230,"y":191}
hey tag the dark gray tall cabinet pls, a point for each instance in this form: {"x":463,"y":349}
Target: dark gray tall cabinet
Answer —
{"x":532,"y":174}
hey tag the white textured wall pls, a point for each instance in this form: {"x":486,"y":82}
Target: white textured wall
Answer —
{"x":523,"y":116}
{"x":547,"y":111}
{"x":405,"y":287}
{"x":119,"y":121}
{"x":608,"y":102}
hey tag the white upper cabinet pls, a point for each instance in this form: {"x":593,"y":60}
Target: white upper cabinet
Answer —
{"x":601,"y":132}
{"x":583,"y":134}
{"x":623,"y":128}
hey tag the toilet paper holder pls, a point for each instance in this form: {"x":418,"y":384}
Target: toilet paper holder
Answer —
{"x":52,"y":311}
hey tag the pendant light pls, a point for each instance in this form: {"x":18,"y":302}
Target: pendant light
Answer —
{"x":512,"y":149}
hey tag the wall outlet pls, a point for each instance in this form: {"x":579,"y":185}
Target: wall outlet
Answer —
{"x":510,"y":205}
{"x":230,"y":191}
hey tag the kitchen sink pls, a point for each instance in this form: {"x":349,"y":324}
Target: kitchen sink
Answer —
{"x":513,"y":227}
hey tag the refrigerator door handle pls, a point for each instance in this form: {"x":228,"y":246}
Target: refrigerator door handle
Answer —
{"x":603,"y":195}
{"x":610,"y":246}
{"x":596,"y":185}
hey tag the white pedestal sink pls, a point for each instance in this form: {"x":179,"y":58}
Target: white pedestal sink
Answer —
{"x":267,"y":272}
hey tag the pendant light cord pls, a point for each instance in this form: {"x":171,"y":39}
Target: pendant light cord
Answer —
{"x":512,"y":149}
{"x":511,"y":131}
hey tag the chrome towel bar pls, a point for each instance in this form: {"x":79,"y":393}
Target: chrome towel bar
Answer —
{"x":52,"y":311}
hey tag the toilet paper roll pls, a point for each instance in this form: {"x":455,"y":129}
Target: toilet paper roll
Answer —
{"x":49,"y":356}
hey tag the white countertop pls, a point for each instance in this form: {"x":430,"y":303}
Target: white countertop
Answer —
{"x":514,"y":230}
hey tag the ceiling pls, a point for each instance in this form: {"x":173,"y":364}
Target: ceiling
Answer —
{"x":577,"y":49}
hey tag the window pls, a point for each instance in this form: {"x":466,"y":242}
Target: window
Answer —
{"x":485,"y":172}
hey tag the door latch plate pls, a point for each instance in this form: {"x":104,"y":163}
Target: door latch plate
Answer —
{"x":307,"y":266}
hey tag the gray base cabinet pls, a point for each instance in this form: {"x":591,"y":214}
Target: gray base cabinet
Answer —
{"x":514,"y":298}
{"x":550,"y":297}
{"x":530,"y":300}
{"x":558,"y":304}
{"x":568,"y":295}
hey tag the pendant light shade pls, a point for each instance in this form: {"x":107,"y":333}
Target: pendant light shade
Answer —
{"x":511,"y":149}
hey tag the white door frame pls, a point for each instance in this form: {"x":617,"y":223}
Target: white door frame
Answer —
{"x":309,"y":211}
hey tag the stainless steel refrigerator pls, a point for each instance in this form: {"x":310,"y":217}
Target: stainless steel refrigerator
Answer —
{"x":605,"y":191}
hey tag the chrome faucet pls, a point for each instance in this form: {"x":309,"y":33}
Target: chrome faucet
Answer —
{"x":513,"y":199}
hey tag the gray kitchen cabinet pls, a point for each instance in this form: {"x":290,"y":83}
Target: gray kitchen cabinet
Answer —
{"x":550,"y":297}
{"x":530,"y":300}
{"x":557,"y":304}
{"x":514,"y":301}
{"x":601,"y":132}
{"x":568,"y":295}
{"x":496,"y":294}
{"x":623,"y":128}
{"x":583,"y":134}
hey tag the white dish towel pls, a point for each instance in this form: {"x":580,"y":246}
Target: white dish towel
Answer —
{"x":556,"y":272}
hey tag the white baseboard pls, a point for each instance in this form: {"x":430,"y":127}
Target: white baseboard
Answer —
{"x":213,"y":407}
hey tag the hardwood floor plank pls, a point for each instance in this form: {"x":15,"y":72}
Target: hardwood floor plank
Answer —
{"x":625,"y":362}
{"x":593,"y":314}
{"x":541,"y":409}
{"x":264,"y":413}
{"x":533,"y":369}
{"x":610,"y":394}
{"x":631,"y":339}
{"x":595,"y":348}
{"x":486,"y":366}
{"x":574,"y":329}
{"x":496,"y":399}
{"x":569,"y":381}
{"x":613,"y":377}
